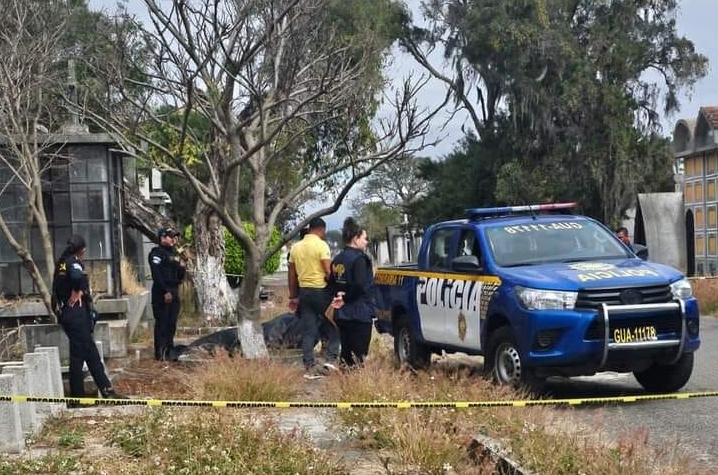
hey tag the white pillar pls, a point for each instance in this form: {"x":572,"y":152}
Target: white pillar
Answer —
{"x":29,"y":420}
{"x":53,"y":354}
{"x":40,"y":381}
{"x":11,"y":439}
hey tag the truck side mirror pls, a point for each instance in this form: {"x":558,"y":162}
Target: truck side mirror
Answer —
{"x":641,"y":251}
{"x":465,"y":264}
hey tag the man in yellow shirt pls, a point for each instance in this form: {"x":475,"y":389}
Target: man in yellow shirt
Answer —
{"x":309,"y":261}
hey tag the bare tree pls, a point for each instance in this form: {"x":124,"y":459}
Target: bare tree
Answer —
{"x":29,"y":51}
{"x":396,"y":185}
{"x":289,"y":97}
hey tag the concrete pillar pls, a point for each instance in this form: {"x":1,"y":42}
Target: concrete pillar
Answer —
{"x":41,"y":382}
{"x":29,"y":421}
{"x":11,"y":438}
{"x":53,"y":354}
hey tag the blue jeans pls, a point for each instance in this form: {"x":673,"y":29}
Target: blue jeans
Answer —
{"x":312,"y":304}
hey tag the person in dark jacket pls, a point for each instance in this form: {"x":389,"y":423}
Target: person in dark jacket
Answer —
{"x":72,"y":303}
{"x":167,"y":274}
{"x":352,"y":283}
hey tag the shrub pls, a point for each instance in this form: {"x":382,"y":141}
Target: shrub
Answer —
{"x":234,"y":254}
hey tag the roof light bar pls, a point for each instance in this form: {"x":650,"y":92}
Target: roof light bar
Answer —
{"x":472,"y":212}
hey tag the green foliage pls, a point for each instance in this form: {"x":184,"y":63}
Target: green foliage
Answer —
{"x":132,"y":439}
{"x":566,"y":110}
{"x":198,"y":442}
{"x":376,"y":217}
{"x":234,"y":254}
{"x":466,"y":178}
{"x":71,"y":439}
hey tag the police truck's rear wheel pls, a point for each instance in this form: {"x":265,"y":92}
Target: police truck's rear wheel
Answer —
{"x":503,"y":362}
{"x":666,"y":378}
{"x":407,"y":348}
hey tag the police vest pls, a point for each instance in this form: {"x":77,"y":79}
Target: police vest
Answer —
{"x":69,"y":270}
{"x":363,"y":308}
{"x":166,"y":270}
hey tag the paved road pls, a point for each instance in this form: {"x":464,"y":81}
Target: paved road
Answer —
{"x":692,"y":422}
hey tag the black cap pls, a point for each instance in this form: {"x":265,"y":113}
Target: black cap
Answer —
{"x":167,"y":232}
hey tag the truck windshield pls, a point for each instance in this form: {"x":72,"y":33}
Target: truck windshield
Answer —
{"x":553,"y":241}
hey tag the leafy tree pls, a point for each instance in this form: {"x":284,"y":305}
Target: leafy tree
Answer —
{"x":466,"y":178}
{"x":562,"y":88}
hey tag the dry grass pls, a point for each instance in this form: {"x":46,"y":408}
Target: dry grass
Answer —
{"x":239,"y":379}
{"x":128,"y":275}
{"x":547,"y":440}
{"x":706,"y":291}
{"x":436,"y":441}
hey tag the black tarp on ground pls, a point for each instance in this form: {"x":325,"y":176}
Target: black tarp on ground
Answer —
{"x":281,"y":332}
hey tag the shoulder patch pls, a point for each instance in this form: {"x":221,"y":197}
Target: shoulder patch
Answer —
{"x":156,"y":259}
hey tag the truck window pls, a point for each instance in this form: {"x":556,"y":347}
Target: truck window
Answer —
{"x":468,"y":244}
{"x":552,"y":241}
{"x":439,"y":249}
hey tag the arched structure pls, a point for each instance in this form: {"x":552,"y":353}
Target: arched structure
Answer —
{"x":695,"y":144}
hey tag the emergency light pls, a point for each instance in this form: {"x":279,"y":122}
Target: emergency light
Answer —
{"x":503,"y":210}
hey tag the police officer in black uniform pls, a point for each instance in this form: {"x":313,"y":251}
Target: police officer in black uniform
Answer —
{"x":352,"y":283}
{"x":72,"y":302}
{"x":167,"y":274}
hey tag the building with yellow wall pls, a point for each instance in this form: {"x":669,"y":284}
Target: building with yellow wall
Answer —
{"x":695,"y":145}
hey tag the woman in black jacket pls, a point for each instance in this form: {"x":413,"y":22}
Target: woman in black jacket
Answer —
{"x":352,"y":283}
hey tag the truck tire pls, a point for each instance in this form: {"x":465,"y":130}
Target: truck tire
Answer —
{"x":666,"y":378}
{"x":407,"y":348}
{"x":502,"y":361}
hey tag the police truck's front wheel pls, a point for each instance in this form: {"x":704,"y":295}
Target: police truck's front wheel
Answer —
{"x":503,"y":361}
{"x":666,"y":378}
{"x":407,"y":348}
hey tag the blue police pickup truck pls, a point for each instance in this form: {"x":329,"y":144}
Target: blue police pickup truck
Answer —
{"x":540,"y":294}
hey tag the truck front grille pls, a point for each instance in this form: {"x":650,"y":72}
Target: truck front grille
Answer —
{"x":591,"y":299}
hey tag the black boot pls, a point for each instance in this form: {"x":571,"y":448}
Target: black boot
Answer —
{"x":109,"y":393}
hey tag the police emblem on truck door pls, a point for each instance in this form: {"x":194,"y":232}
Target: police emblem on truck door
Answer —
{"x":462,"y":326}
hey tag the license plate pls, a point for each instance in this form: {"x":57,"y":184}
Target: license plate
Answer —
{"x":635,"y":334}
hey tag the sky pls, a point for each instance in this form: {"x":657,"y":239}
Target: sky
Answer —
{"x":696,"y":20}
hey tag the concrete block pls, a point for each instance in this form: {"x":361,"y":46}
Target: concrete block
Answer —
{"x":29,"y":421}
{"x":111,"y":306}
{"x":102,"y":334}
{"x":50,"y":334}
{"x":136,"y":307}
{"x":46,"y":334}
{"x":38,"y":365}
{"x":11,"y":438}
{"x":53,"y":355}
{"x":118,"y":337}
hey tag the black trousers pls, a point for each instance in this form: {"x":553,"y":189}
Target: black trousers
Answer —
{"x":78,"y":327}
{"x":355,"y":337}
{"x":165,"y":324}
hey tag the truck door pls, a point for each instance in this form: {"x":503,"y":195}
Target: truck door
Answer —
{"x":432,"y":285}
{"x":462,"y":317}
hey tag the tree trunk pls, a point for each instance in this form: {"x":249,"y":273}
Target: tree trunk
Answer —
{"x":215,"y":298}
{"x":249,"y":327}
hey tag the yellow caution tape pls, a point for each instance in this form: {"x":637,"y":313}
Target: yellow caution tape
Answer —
{"x":349,"y":405}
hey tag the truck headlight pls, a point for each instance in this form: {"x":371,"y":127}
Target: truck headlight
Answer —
{"x":538,"y":299}
{"x":682,"y":289}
